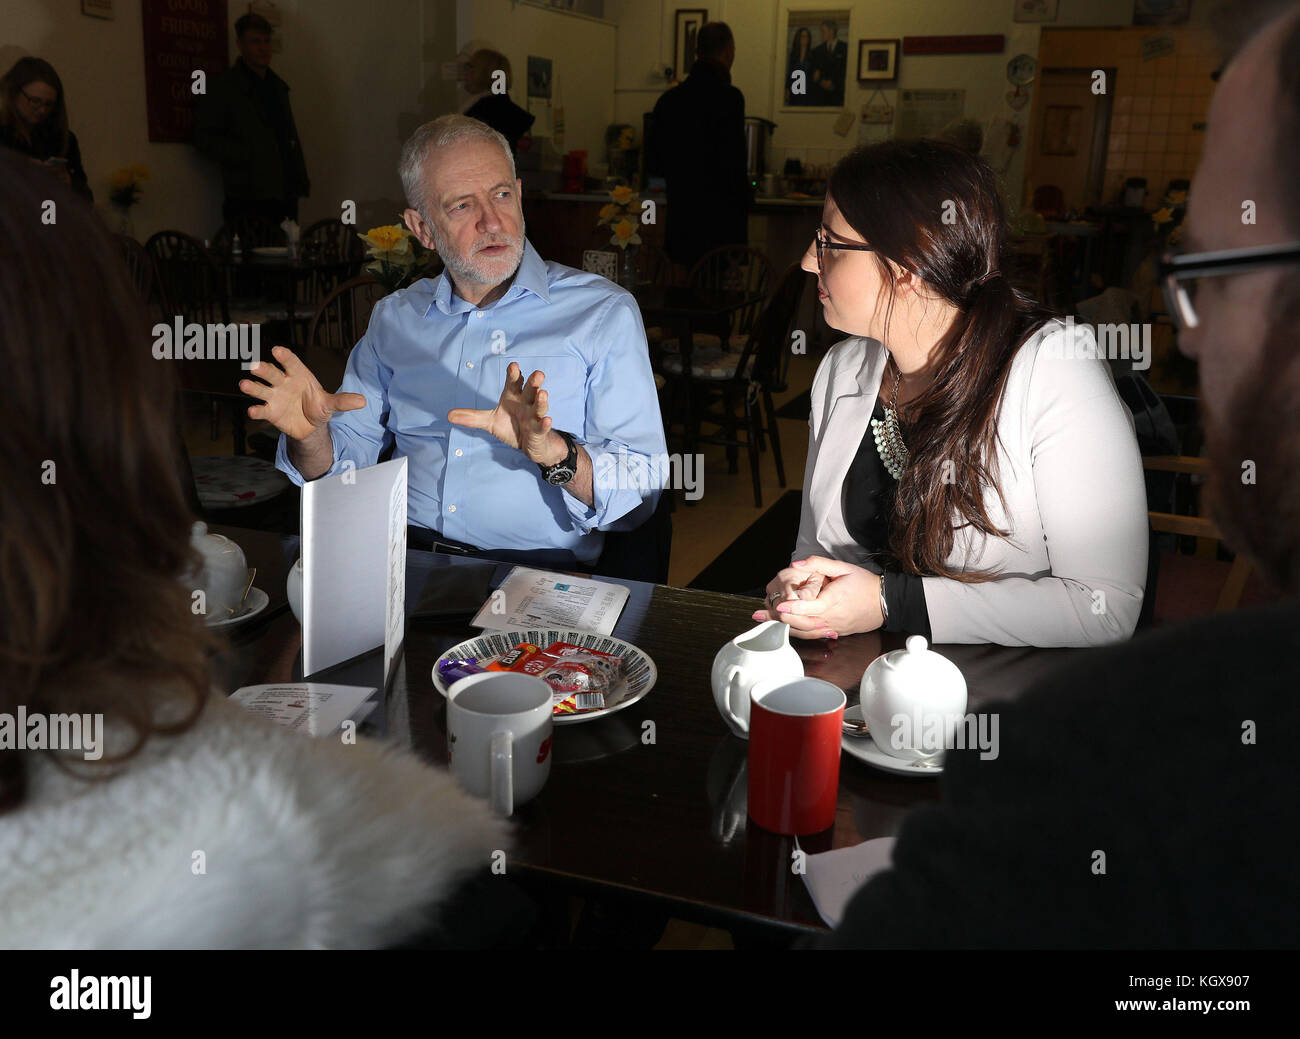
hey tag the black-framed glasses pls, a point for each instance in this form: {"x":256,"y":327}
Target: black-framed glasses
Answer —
{"x":38,"y":102}
{"x":824,"y":243}
{"x":1180,"y":275}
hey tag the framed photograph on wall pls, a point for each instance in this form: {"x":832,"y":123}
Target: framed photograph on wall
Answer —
{"x":816,"y":58}
{"x":1035,"y":11}
{"x":877,"y":60}
{"x":687,"y":25}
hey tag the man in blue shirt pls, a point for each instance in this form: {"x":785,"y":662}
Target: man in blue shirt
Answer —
{"x":519,"y":390}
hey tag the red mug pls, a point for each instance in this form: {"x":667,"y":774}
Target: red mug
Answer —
{"x":794,"y":754}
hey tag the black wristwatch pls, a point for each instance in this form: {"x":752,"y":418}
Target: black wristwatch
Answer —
{"x":567,"y":468}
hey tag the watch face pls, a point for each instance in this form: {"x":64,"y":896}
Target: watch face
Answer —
{"x":561,"y":475}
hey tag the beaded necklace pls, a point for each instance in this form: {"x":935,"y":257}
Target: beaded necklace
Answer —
{"x":888,"y":436}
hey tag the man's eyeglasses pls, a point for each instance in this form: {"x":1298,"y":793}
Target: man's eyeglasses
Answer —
{"x":825,"y":243}
{"x":1180,"y":276}
{"x":38,"y":102}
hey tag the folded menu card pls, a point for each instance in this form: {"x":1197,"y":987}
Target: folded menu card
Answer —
{"x":309,"y":707}
{"x":538,"y":599}
{"x":834,"y":876}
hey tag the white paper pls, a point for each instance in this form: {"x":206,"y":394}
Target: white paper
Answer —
{"x":353,"y":553}
{"x":539,"y":599}
{"x":308,"y":707}
{"x":833,"y":877}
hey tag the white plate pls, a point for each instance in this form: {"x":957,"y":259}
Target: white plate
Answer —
{"x":639,"y":671}
{"x":256,"y":602}
{"x":270,"y":250}
{"x":864,"y":749}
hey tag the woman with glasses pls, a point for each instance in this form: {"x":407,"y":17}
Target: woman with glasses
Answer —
{"x":972,"y":475}
{"x":34,"y":121}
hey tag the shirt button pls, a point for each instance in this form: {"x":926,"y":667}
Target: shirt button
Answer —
{"x":469,"y":364}
{"x":451,"y":508}
{"x":459,"y":452}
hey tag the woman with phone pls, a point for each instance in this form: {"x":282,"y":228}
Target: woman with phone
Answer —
{"x":34,"y":121}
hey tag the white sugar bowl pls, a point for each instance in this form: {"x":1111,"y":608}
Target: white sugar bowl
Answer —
{"x":913,"y":699}
{"x":222,"y":576}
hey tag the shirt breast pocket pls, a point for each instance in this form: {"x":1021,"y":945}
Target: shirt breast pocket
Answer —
{"x":565,"y":386}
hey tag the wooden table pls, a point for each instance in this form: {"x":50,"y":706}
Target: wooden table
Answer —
{"x":650,"y":802}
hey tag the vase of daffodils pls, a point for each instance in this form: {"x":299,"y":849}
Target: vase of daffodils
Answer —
{"x":622,"y":216}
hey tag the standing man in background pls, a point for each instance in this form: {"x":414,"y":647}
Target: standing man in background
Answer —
{"x":697,"y":145}
{"x":830,"y":62}
{"x":245,"y":125}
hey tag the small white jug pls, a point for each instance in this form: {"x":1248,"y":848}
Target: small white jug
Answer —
{"x":760,"y":654}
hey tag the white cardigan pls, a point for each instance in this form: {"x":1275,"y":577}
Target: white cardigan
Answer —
{"x":308,"y":843}
{"x":1074,"y":568}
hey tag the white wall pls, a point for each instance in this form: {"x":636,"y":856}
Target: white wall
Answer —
{"x":361,"y":78}
{"x":582,"y":53}
{"x":645,"y":37}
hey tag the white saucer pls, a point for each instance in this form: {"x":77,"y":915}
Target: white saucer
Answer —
{"x":256,"y":602}
{"x":864,"y":749}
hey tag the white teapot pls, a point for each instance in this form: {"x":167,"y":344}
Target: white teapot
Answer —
{"x":913,"y":699}
{"x":760,"y":654}
{"x":221,"y":578}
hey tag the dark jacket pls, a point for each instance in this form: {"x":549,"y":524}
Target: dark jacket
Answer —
{"x":1172,"y":755}
{"x":697,"y":144}
{"x":245,"y":125}
{"x":45,"y":144}
{"x":503,"y":115}
{"x":832,"y":63}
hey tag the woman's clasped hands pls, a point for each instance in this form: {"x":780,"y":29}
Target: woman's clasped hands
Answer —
{"x":824,"y":598}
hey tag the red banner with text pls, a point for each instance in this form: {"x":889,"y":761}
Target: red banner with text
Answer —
{"x":181,"y":37}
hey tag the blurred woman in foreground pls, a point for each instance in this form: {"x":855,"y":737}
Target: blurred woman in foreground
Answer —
{"x":201,"y":825}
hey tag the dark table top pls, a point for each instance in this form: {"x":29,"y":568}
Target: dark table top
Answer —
{"x":652,"y":810}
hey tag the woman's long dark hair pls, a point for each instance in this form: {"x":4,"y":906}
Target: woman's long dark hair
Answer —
{"x":23,"y":72}
{"x":94,"y":526}
{"x":795,"y":56}
{"x":934,"y":210}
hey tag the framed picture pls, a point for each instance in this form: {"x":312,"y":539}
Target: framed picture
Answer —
{"x":817,"y":58}
{"x":877,"y":60}
{"x":687,"y":26}
{"x":539,"y":76}
{"x":1061,"y":125}
{"x":1161,"y":12}
{"x":1035,"y":10}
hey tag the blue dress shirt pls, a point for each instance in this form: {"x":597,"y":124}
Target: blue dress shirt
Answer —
{"x":428,"y":351}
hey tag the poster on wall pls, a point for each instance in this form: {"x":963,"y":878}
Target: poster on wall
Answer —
{"x":539,"y":76}
{"x":817,"y":58}
{"x":176,"y":44}
{"x":687,"y":23}
{"x":925,"y":112}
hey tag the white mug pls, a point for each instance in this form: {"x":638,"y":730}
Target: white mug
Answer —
{"x":499,"y":737}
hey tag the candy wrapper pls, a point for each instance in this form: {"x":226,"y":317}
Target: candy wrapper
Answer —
{"x":580,"y":679}
{"x":453,"y":670}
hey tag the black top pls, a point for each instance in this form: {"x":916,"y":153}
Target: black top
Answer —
{"x":503,"y":115}
{"x":45,"y":144}
{"x":1142,"y":797}
{"x":868,"y":504}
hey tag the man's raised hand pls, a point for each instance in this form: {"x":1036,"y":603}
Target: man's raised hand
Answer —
{"x":294,"y":402}
{"x":519,"y":420}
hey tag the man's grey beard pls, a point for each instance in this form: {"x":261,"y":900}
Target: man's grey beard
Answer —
{"x":467,"y":268}
{"x":1261,"y":424}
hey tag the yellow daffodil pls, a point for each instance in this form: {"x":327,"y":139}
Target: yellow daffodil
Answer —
{"x":622,"y":194}
{"x":1176,"y":198}
{"x":627,"y":139}
{"x":122,"y":179}
{"x":625,"y":234}
{"x":138,"y":171}
{"x":1162,"y":216}
{"x":387,"y":238}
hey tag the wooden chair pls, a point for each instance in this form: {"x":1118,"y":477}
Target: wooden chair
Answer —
{"x":739,"y":268}
{"x":343,"y":315}
{"x":743,"y":381}
{"x":139,"y":265}
{"x":337,"y":253}
{"x":1197,"y":526}
{"x":189,"y":281}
